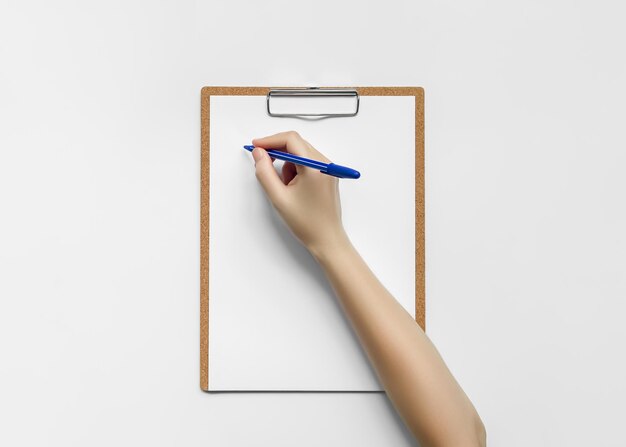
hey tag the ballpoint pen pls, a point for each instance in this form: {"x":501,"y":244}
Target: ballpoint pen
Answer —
{"x":325,"y":168}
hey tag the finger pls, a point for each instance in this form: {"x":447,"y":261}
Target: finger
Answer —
{"x":293,"y":143}
{"x":289,"y":172}
{"x":267,"y":175}
{"x":290,"y":141}
{"x":315,"y":154}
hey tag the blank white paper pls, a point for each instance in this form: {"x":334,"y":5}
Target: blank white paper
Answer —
{"x":274,"y":323}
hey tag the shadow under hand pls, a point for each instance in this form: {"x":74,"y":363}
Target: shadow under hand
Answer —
{"x":299,"y":254}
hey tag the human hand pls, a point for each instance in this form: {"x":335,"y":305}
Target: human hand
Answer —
{"x":307,"y":200}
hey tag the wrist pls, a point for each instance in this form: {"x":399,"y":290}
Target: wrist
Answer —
{"x":330,"y":247}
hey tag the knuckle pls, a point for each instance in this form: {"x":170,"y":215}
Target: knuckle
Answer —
{"x":293,"y":136}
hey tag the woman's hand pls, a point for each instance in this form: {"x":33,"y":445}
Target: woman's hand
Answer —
{"x":307,"y":200}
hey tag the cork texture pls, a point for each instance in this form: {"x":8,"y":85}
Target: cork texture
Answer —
{"x":205,"y":199}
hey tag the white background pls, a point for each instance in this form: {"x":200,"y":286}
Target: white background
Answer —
{"x":99,"y":212}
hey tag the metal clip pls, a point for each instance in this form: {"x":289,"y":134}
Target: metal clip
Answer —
{"x":312,"y":92}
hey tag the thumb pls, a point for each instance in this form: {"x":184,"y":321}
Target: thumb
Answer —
{"x":267,"y":175}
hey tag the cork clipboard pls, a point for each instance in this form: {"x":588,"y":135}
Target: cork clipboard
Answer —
{"x":205,"y":224}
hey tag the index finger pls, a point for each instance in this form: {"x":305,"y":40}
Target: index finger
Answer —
{"x":291,"y":142}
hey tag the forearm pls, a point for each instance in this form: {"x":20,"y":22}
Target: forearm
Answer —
{"x":416,"y":379}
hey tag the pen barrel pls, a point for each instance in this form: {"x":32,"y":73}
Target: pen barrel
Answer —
{"x":286,"y":156}
{"x":329,"y":169}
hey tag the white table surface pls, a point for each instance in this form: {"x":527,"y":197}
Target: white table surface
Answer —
{"x":99,"y":212}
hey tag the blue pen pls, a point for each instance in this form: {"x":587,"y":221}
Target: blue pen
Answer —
{"x":325,"y":168}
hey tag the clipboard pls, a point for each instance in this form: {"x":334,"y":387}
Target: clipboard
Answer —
{"x":271,"y":94}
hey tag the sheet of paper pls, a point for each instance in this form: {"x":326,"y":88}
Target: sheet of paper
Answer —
{"x":274,"y":323}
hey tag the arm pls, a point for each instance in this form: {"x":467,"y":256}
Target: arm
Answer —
{"x":415,"y":377}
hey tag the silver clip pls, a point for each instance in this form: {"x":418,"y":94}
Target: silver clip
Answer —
{"x":312,"y":92}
